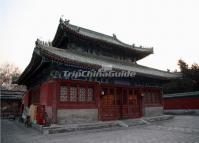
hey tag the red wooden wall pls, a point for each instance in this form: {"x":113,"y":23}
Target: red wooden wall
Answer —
{"x":48,"y":94}
{"x":181,"y":103}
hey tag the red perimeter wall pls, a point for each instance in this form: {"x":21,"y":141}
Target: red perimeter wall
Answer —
{"x":181,"y":103}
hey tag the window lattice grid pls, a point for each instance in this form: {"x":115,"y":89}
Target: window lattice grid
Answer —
{"x":152,"y":98}
{"x":147,"y":98}
{"x":63,"y":93}
{"x":73,"y":93}
{"x":82,"y":94}
{"x":90,"y":95}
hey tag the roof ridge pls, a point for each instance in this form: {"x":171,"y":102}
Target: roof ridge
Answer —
{"x":114,"y":38}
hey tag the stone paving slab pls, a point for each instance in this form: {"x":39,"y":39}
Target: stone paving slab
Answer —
{"x":181,"y":129}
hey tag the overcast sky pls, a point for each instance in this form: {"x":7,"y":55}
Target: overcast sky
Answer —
{"x":170,"y":26}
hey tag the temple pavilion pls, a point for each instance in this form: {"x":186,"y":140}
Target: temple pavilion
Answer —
{"x":55,"y":81}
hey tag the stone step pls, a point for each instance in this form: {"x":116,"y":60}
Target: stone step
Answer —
{"x":79,"y":127}
{"x":158,"y":118}
{"x":142,"y":121}
{"x":131,"y":122}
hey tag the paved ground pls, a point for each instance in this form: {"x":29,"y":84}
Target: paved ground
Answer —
{"x":181,"y":129}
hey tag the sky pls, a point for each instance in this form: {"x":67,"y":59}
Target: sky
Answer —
{"x":171,"y":27}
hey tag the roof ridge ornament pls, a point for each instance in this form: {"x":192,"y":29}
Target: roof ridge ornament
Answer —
{"x":78,"y":29}
{"x":38,"y":42}
{"x":114,"y":36}
{"x":61,"y":20}
{"x":66,"y":21}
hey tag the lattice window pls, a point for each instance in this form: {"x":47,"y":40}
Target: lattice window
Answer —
{"x":82,"y":94}
{"x":147,"y":98}
{"x":152,"y":98}
{"x":90,"y":95}
{"x":73,"y":93}
{"x":63,"y":93}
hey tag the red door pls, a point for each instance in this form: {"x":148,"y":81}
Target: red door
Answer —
{"x":109,"y":111}
{"x":123,"y":103}
{"x":134,"y":106}
{"x":119,"y":103}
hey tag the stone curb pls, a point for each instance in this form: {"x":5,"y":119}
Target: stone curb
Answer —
{"x":158,"y":118}
{"x":80,"y":127}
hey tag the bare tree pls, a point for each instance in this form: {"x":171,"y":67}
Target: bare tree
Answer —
{"x":8,"y":73}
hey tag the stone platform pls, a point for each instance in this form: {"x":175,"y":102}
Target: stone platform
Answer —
{"x":56,"y":128}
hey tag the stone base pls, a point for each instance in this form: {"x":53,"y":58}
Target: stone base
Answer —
{"x":68,"y":116}
{"x":153,"y":111}
{"x":182,"y":112}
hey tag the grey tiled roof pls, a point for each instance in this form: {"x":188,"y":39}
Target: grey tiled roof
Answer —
{"x":10,"y":94}
{"x":104,"y":61}
{"x":110,"y":39}
{"x":185,"y":94}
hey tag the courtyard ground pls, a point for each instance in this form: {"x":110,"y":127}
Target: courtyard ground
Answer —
{"x":181,"y":129}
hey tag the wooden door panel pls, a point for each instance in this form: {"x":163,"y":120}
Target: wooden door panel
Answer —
{"x":134,"y":106}
{"x":120,"y":105}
